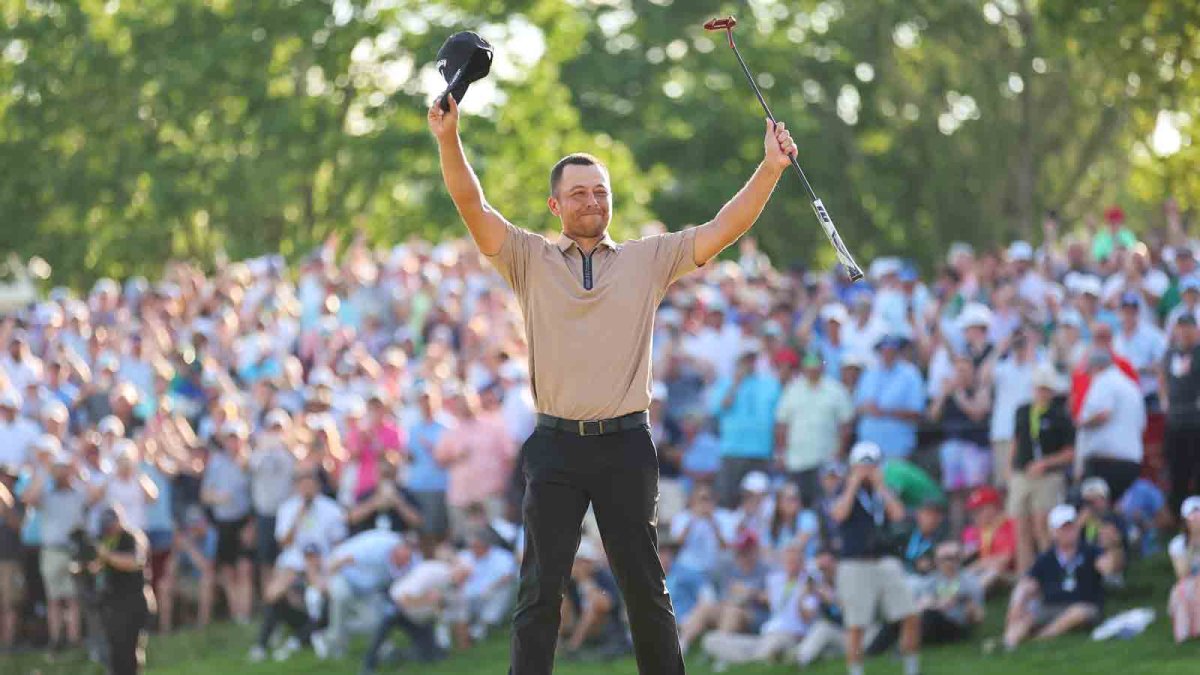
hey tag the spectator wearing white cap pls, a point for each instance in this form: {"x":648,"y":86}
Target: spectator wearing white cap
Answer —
{"x":1031,"y":284}
{"x":17,"y":432}
{"x":1043,"y":453}
{"x":129,"y":488}
{"x":517,"y":408}
{"x":828,"y":340}
{"x":753,"y":510}
{"x":1189,"y":290}
{"x":1011,"y":382}
{"x":1110,"y":425}
{"x":1184,"y":549}
{"x":870,"y":574}
{"x":271,"y":465}
{"x":864,"y":330}
{"x":1064,"y":590}
{"x":486,"y":596}
{"x":18,"y":363}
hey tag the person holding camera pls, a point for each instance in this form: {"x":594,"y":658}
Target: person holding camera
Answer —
{"x":125,"y":596}
{"x":870,"y":573}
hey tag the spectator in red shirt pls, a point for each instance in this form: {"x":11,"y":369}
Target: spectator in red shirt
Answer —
{"x":1102,"y":337}
{"x":991,"y":538}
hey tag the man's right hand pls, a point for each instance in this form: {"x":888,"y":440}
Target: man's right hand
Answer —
{"x":443,"y":124}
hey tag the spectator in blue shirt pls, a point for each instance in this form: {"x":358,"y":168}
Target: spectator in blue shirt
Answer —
{"x":890,"y":399}
{"x":744,"y":406}
{"x":685,"y":584}
{"x":426,"y":478}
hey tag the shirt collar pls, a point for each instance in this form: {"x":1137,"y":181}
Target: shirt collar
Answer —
{"x":565,"y":243}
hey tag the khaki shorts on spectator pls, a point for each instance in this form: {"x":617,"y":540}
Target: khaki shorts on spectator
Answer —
{"x":1028,"y":496}
{"x":1001,"y":461}
{"x":863,"y":585}
{"x":10,"y":584}
{"x":56,"y":574}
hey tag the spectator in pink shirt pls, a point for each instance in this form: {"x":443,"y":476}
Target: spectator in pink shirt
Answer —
{"x":478,"y":455}
{"x":370,"y":438}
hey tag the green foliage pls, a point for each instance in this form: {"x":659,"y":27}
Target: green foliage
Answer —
{"x":131,"y":132}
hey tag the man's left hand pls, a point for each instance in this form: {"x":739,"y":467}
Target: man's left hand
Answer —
{"x":778,"y":145}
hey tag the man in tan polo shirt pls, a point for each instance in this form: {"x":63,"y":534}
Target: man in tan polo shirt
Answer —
{"x":589,"y":306}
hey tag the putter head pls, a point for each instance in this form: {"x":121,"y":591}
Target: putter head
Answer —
{"x":725,"y":23}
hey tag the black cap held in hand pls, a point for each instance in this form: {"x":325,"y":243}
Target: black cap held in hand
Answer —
{"x":464,"y":58}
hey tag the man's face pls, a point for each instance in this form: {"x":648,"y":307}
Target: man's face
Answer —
{"x":984,"y":514}
{"x":929,"y":519}
{"x":1188,"y":333}
{"x":583,"y":201}
{"x":306,"y":485}
{"x":401,"y":555}
{"x":1066,"y":535}
{"x":1102,"y":335}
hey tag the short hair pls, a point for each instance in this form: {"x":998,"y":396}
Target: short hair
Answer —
{"x":577,"y":159}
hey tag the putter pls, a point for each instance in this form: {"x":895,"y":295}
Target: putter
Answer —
{"x":852,"y":269}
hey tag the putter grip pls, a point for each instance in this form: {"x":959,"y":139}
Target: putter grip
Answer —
{"x":852,"y":269}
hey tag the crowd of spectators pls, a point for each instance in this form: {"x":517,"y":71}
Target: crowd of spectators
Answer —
{"x":335,"y":448}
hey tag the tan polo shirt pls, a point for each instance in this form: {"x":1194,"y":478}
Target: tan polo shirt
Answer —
{"x":589,"y":348}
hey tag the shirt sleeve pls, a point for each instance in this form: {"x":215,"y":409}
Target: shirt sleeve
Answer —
{"x":287,"y":514}
{"x":674,"y":255}
{"x":915,"y":396}
{"x":512,"y":260}
{"x":679,"y":523}
{"x":1177,"y":548}
{"x":843,"y":406}
{"x":783,"y":412}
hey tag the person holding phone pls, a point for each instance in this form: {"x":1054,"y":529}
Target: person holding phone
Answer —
{"x":870,"y":573}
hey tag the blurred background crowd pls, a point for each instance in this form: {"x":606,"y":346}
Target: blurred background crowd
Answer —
{"x":315,"y":447}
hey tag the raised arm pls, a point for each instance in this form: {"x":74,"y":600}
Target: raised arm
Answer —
{"x":488,"y":228}
{"x":739,"y":213}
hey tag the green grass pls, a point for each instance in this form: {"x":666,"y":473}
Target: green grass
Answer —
{"x":222,"y":649}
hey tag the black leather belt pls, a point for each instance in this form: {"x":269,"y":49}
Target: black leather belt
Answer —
{"x":595,"y":427}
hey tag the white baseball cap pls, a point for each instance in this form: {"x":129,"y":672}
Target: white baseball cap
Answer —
{"x":55,"y":410}
{"x":1061,"y":515}
{"x":233,"y":428}
{"x":1020,"y":250}
{"x":1190,"y":505}
{"x":10,"y":398}
{"x":756,"y":482}
{"x":1045,"y":375}
{"x":276,"y":417}
{"x":975,"y":315}
{"x":1089,"y":285}
{"x":111,"y":425}
{"x":835,"y":311}
{"x":47,"y":443}
{"x":866,"y":452}
{"x":1096,"y":486}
